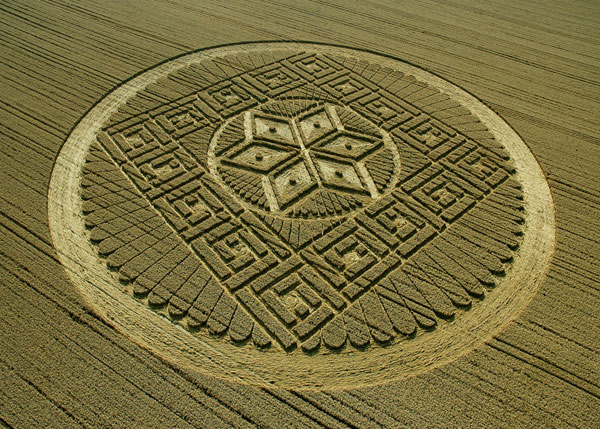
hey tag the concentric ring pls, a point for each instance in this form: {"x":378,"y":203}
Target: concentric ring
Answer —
{"x":347,"y":366}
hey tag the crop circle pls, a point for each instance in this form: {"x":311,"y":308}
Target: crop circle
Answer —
{"x":301,"y":215}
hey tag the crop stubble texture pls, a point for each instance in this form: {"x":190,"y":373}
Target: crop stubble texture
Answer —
{"x":539,"y":87}
{"x":285,"y":217}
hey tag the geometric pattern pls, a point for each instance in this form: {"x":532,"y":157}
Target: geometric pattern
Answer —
{"x":289,"y":158}
{"x":300,"y":200}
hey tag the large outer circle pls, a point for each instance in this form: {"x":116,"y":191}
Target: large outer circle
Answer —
{"x":329,"y":370}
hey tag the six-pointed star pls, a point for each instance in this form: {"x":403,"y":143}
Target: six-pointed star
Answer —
{"x":299,"y":155}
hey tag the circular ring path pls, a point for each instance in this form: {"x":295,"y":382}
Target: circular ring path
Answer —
{"x":302,"y":215}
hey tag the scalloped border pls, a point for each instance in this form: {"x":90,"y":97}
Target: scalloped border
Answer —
{"x":215,"y":357}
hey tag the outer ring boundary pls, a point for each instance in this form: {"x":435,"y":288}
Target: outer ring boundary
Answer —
{"x":333,"y":370}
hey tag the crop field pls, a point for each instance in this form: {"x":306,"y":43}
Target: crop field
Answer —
{"x":300,"y":214}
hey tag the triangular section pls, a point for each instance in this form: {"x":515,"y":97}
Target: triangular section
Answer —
{"x":429,"y":271}
{"x":324,"y":203}
{"x":298,"y":233}
{"x":348,"y":62}
{"x":260,"y":338}
{"x":265,"y":234}
{"x":354,"y":122}
{"x":411,"y":160}
{"x":194,"y":77}
{"x":380,"y":166}
{"x":241,"y":326}
{"x":232,"y":134}
{"x":308,"y":92}
{"x":288,"y":108}
{"x":255,"y":58}
{"x":220,"y":318}
{"x":437,"y":299}
{"x":361,"y":66}
{"x":248,"y":186}
{"x":197,"y":144}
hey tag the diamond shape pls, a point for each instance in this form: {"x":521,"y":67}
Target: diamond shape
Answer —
{"x":273,"y":129}
{"x":259,"y":156}
{"x":349,"y":145}
{"x":338,"y":174}
{"x":291,"y":183}
{"x":315,"y":125}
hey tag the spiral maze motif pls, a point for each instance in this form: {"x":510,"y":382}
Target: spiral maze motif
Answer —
{"x":301,"y":202}
{"x":311,"y":202}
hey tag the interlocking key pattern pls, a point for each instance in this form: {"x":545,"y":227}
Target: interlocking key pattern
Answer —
{"x":301,"y":201}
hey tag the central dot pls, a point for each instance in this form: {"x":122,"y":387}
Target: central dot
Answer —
{"x":272,"y":129}
{"x":293,"y":182}
{"x":348,"y":146}
{"x":259,"y":157}
{"x":338,"y":173}
{"x":317,"y":125}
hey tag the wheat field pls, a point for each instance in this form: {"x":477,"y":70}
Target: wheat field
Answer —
{"x":63,"y":362}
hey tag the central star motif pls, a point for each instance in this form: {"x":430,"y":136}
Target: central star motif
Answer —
{"x":299,"y":156}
